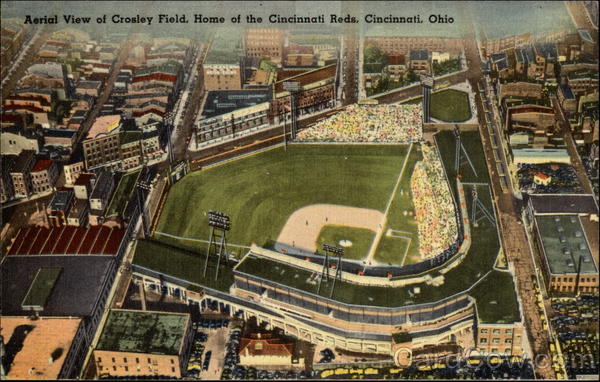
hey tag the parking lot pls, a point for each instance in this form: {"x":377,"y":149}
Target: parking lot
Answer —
{"x":206,"y":355}
{"x":574,"y":321}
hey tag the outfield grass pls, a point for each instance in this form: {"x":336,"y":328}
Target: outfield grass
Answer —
{"x":393,"y":250}
{"x":361,"y":239}
{"x":123,"y":194}
{"x":450,"y":105}
{"x":260,"y":192}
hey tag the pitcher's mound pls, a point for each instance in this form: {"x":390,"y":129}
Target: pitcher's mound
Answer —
{"x":345,"y":243}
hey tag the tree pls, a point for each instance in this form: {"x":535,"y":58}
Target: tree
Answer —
{"x":374,"y":55}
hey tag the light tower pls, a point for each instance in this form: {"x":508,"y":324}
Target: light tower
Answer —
{"x":427,"y":84}
{"x":293,"y":87}
{"x":460,"y":153}
{"x":220,"y":223}
{"x":339,"y":251}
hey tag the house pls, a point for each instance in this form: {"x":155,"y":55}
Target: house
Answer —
{"x":15,"y":139}
{"x":6,"y":186}
{"x":44,"y":175}
{"x":72,"y":170}
{"x":59,"y":207}
{"x":100,"y":196}
{"x":78,"y":214}
{"x":567,"y":99}
{"x":542,"y":179}
{"x":91,"y":88}
{"x":396,"y":66}
{"x":21,"y":174}
{"x":419,"y":61}
{"x":84,"y":185}
{"x":260,"y":350}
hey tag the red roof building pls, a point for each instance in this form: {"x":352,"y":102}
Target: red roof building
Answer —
{"x":396,"y":59}
{"x":264,"y":350}
{"x":42,"y":164}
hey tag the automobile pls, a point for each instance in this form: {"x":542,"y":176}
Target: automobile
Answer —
{"x":193,"y":367}
{"x":327,"y":353}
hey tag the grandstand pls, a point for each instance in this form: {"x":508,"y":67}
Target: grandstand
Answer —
{"x":442,"y":299}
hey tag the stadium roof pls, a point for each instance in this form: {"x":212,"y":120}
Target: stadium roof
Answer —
{"x":564,"y":204}
{"x":75,"y":291}
{"x":67,"y":240}
{"x":564,"y":242}
{"x":143,"y":332}
{"x":309,"y":77}
{"x":225,"y":101}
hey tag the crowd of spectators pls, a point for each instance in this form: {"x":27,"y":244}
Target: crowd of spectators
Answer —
{"x":434,"y":209}
{"x":369,"y":123}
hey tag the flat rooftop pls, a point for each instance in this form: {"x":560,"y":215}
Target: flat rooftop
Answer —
{"x":46,"y":337}
{"x":41,"y":288}
{"x":564,"y":241}
{"x":74,"y":293}
{"x":564,"y":204}
{"x":123,"y":194}
{"x":61,"y":199}
{"x":143,"y":332}
{"x":104,"y":124}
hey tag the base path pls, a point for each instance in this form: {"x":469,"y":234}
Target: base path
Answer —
{"x":303,"y":227}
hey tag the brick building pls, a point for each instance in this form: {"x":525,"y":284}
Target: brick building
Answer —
{"x":264,"y":42}
{"x":143,"y":343}
{"x":222,"y":67}
{"x":565,"y":231}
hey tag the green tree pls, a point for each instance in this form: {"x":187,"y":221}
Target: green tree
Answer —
{"x":375,"y":55}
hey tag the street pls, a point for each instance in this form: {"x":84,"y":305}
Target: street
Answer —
{"x":512,"y":233}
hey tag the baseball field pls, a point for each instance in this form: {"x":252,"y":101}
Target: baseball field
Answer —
{"x":302,"y":197}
